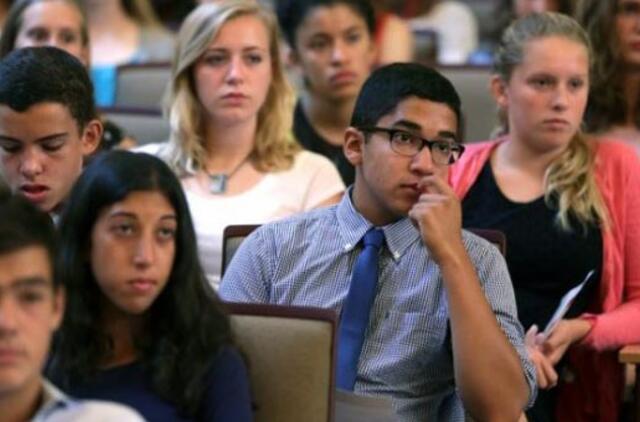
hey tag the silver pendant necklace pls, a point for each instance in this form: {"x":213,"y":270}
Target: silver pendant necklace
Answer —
{"x":218,"y":181}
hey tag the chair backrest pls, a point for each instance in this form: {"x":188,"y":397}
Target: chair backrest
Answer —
{"x":232,"y":237}
{"x":291,"y":353}
{"x":494,"y":236}
{"x":142,"y":85}
{"x":478,"y":106}
{"x":144,"y":125}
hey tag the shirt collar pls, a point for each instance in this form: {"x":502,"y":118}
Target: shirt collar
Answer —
{"x":353,"y":226}
{"x":52,"y":400}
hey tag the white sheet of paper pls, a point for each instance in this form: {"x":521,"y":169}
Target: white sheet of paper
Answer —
{"x":565,"y":304}
{"x":351,"y":407}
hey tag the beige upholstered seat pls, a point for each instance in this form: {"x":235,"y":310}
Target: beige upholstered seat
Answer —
{"x":145,"y":126}
{"x":142,"y":85}
{"x":291,"y":354}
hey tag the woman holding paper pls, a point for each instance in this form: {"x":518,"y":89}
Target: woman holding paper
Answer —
{"x":568,"y":204}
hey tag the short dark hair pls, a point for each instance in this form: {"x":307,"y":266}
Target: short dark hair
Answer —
{"x":23,"y":225}
{"x":34,"y":75}
{"x":291,"y":13}
{"x":186,"y":323}
{"x":388,"y":85}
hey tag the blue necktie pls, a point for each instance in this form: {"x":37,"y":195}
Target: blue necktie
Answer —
{"x":356,"y":309}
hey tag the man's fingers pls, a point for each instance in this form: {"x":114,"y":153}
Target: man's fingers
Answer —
{"x":434,"y":184}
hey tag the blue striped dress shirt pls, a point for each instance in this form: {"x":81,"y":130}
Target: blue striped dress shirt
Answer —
{"x":307,"y":260}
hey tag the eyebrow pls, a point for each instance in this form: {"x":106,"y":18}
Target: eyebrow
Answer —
{"x":39,"y":140}
{"x":410,"y":125}
{"x":127,"y":214}
{"x":225,"y":49}
{"x":33,"y":281}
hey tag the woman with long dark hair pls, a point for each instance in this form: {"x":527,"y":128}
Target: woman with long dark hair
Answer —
{"x":142,"y":326}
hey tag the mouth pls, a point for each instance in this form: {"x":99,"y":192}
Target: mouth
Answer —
{"x":234,"y":96}
{"x":142,"y":285}
{"x":34,"y":192}
{"x":343,"y":78}
{"x":9,"y":355}
{"x":556,"y":123}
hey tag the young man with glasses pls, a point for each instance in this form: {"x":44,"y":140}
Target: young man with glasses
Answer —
{"x":428,"y":315}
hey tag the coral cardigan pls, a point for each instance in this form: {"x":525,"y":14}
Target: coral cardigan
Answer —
{"x":594,"y":392}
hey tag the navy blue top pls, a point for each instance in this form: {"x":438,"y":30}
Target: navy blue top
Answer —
{"x":226,"y":398}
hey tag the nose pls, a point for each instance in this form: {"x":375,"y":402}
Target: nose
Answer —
{"x":7,"y":316}
{"x":235,"y":72}
{"x":339,"y":52}
{"x":145,"y":252}
{"x":31,"y":164}
{"x":422,"y":163}
{"x":561,"y":98}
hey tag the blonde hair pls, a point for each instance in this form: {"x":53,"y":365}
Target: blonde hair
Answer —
{"x":274,"y":147}
{"x":570,"y":180}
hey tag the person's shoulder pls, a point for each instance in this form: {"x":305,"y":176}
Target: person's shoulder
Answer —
{"x":478,"y":247}
{"x":95,"y":411}
{"x":156,"y":148}
{"x":616,"y":156}
{"x":453,"y":7}
{"x":308,"y":160}
{"x":300,"y":224}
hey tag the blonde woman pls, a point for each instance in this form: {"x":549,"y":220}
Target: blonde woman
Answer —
{"x":568,"y":205}
{"x":230,"y":110}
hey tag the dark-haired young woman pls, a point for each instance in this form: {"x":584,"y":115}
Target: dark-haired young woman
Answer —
{"x":142,"y":326}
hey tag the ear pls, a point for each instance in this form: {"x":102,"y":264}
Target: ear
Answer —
{"x":59,"y":303}
{"x":353,"y":146}
{"x":91,"y":136}
{"x":498,"y":88}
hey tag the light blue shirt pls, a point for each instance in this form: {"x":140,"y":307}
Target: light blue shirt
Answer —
{"x":307,"y":260}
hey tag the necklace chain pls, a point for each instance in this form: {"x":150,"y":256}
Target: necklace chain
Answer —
{"x":218,"y":181}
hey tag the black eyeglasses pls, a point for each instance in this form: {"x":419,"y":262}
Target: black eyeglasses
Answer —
{"x":407,"y":144}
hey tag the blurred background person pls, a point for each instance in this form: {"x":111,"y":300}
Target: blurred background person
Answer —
{"x":455,"y":25}
{"x":393,"y":36}
{"x":614,"y":29}
{"x":332,"y":48}
{"x":123,"y":32}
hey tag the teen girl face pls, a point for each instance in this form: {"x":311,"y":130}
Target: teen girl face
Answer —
{"x":627,"y":27}
{"x":334,"y":50}
{"x":546,"y":95}
{"x":233,"y":76}
{"x":53,"y":23}
{"x":133,"y":249}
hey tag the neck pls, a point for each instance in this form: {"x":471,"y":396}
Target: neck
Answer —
{"x":330,"y":118}
{"x":369,"y":209}
{"x":122,"y":329}
{"x":631,"y":92}
{"x":517,"y":154}
{"x":21,"y":405}
{"x":227,"y":146}
{"x":106,"y":16}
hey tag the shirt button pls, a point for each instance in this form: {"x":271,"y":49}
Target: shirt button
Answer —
{"x":396,"y":255}
{"x":347,"y":246}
